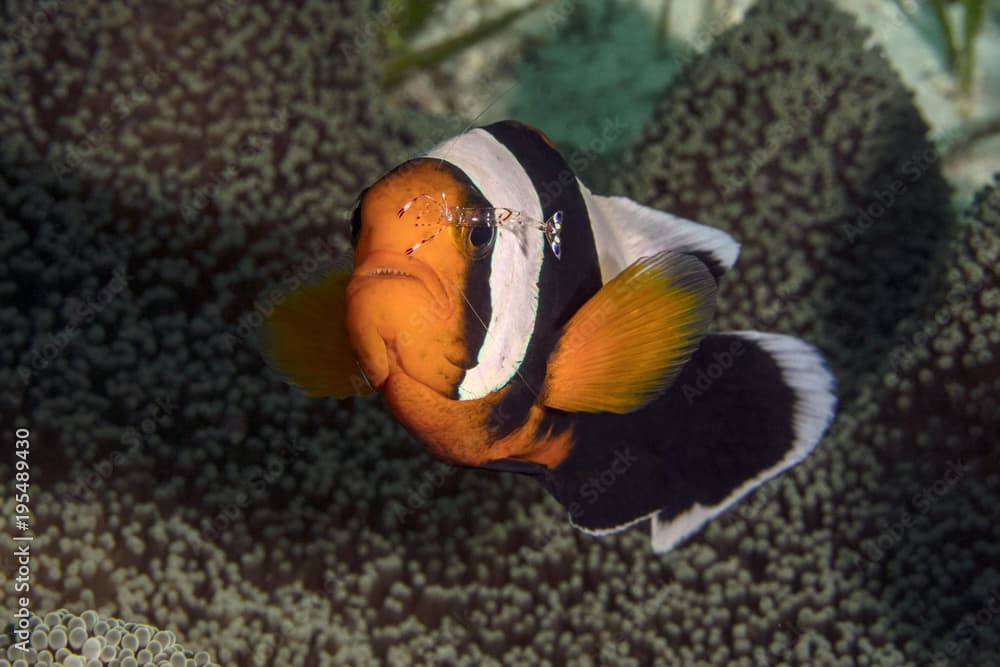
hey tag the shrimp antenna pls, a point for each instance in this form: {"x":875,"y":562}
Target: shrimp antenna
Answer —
{"x":479,"y":115}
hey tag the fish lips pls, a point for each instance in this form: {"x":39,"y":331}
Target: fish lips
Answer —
{"x":384,"y":265}
{"x":369,"y":291}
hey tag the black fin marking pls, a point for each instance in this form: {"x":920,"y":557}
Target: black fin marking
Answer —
{"x":746,"y":407}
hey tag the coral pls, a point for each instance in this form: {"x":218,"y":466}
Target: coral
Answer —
{"x":922,"y":513}
{"x":818,"y":165}
{"x":614,"y":49}
{"x":165,"y":174}
{"x":88,"y":640}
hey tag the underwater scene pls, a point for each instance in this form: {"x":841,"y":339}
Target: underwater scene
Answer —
{"x":525,"y":332}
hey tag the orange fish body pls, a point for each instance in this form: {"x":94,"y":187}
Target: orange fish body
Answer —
{"x":405,"y":318}
{"x":513,"y":320}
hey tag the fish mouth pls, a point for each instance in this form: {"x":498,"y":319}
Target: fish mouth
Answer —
{"x":384,"y":265}
{"x":386,"y":272}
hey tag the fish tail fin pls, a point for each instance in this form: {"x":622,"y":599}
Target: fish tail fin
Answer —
{"x":747,"y":406}
{"x":779,"y":401}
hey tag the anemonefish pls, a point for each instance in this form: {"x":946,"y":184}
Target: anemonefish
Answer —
{"x":513,"y":320}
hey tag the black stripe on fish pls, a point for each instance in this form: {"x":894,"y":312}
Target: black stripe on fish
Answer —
{"x":565,"y":284}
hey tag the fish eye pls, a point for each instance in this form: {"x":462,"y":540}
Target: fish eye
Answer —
{"x":479,"y":240}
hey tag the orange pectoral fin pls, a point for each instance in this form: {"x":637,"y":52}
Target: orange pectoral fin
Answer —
{"x":626,"y":345}
{"x":305,"y":339}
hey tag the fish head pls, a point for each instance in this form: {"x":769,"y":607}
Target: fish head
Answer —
{"x":408,"y":309}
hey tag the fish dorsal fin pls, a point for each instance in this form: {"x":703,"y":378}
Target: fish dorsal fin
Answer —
{"x":305,"y":339}
{"x":625,"y":231}
{"x":626,"y":345}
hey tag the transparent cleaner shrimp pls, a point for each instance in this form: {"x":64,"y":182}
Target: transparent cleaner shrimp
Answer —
{"x":486,"y":218}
